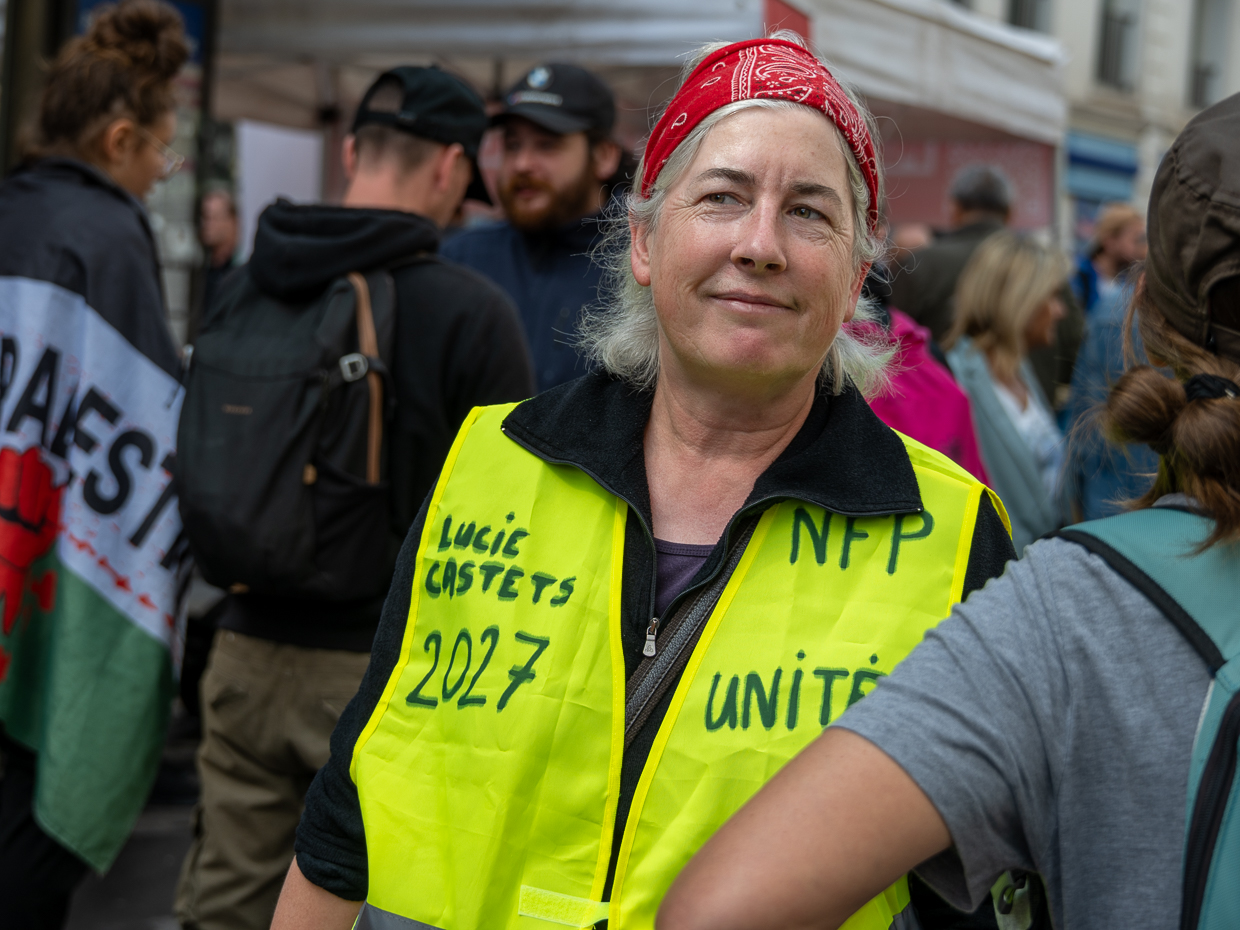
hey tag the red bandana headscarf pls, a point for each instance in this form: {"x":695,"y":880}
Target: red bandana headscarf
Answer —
{"x":759,"y":68}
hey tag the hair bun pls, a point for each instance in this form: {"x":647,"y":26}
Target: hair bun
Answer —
{"x":1143,"y":407}
{"x":149,"y":34}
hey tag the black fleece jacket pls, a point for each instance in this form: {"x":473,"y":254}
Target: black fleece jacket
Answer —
{"x":458,"y":345}
{"x":843,"y":459}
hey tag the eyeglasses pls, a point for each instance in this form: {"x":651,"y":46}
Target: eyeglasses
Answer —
{"x":172,"y":159}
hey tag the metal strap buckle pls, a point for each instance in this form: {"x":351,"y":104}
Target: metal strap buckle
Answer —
{"x":354,"y":366}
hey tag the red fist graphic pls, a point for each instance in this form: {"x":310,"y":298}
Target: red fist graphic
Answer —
{"x":29,"y":519}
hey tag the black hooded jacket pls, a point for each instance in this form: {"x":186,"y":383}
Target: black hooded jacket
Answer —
{"x":458,"y":345}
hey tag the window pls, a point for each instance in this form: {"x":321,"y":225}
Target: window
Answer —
{"x":1117,"y":52}
{"x":1211,"y":23}
{"x":1030,"y":14}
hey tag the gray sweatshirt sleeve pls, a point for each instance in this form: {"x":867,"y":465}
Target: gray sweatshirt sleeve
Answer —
{"x":1050,"y":721}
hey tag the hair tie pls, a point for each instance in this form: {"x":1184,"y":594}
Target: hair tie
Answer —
{"x":1210,"y":387}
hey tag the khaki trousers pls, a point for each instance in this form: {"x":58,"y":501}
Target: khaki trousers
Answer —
{"x":268,"y":711}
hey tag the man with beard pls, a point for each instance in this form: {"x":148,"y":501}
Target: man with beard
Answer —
{"x":559,"y":160}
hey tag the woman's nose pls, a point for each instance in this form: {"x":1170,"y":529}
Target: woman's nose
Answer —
{"x":760,"y":248}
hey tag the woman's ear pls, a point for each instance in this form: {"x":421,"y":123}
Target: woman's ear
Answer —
{"x":117,"y":140}
{"x":348,"y":156}
{"x":639,"y":252}
{"x":851,"y":310}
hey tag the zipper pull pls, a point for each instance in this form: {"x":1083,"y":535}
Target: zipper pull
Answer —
{"x":651,"y":630}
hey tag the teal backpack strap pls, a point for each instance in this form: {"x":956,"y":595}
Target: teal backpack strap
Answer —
{"x":1155,"y":551}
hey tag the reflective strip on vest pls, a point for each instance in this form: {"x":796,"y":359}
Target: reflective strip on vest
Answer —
{"x":489,"y":771}
{"x":371,"y":918}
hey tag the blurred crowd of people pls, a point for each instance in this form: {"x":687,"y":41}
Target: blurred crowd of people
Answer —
{"x":1003,"y":350}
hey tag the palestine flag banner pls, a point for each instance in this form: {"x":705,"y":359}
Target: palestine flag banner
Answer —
{"x":91,"y":562}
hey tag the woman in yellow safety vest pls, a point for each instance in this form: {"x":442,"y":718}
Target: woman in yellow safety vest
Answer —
{"x":1078,"y":717}
{"x":633,"y":598}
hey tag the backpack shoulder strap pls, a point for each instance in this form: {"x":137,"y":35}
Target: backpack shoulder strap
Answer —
{"x":1155,"y":550}
{"x":383,"y":312}
{"x":368,"y":342}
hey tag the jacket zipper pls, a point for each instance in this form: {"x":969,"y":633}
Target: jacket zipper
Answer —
{"x":1213,"y":794}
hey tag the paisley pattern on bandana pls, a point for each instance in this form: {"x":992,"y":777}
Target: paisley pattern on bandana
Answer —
{"x":761,"y":68}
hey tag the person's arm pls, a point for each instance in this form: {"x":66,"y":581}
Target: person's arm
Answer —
{"x":304,"y":905}
{"x":990,"y":551}
{"x":836,"y":826}
{"x":949,"y":765}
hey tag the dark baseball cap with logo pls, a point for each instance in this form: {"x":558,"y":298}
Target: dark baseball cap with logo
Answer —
{"x":434,"y":105}
{"x":562,"y":99}
{"x":1192,"y":271}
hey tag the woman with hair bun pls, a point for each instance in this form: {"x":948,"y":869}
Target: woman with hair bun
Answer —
{"x":89,"y":395}
{"x":1078,"y":717}
{"x":73,"y":214}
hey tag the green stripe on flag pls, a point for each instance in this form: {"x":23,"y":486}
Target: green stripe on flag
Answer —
{"x":89,"y":691}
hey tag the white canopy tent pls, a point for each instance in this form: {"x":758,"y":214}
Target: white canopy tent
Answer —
{"x":930,"y":66}
{"x":924,"y":53}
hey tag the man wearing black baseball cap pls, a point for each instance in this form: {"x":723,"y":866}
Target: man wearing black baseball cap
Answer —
{"x":283,"y":668}
{"x":558,"y":168}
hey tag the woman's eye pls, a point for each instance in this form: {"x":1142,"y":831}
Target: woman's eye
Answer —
{"x":805,"y":213}
{"x":720,"y":198}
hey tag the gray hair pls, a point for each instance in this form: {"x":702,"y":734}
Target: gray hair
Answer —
{"x":621,"y":332}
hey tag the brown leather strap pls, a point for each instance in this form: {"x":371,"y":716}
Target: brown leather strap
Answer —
{"x":368,"y":345}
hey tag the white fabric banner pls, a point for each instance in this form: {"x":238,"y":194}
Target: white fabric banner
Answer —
{"x":79,"y":398}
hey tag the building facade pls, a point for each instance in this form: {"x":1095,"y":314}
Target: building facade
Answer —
{"x":1137,"y":71}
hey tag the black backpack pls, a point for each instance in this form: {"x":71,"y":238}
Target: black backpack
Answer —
{"x":281,"y":459}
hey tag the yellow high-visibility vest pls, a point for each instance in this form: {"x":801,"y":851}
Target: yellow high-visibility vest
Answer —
{"x":489,"y":771}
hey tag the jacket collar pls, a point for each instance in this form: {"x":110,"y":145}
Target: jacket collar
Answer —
{"x":61,"y":166}
{"x":843,"y":459}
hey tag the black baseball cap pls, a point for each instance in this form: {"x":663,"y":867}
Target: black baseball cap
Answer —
{"x":434,"y":105}
{"x":561,"y":99}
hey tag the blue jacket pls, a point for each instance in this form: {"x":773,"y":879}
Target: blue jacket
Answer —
{"x":1013,"y":473}
{"x":1101,"y":475}
{"x":550,"y":278}
{"x":1084,"y":284}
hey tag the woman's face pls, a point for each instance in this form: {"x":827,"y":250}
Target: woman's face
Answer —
{"x":751,"y":263}
{"x":1042,"y":326}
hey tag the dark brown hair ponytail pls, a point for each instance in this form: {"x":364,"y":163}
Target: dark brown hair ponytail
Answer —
{"x":122,"y":66}
{"x":1198,"y":441}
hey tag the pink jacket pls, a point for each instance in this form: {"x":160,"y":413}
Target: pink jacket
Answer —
{"x":924,"y":402}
